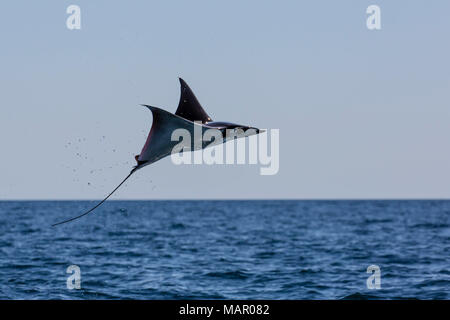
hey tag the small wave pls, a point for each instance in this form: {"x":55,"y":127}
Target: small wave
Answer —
{"x":309,"y":271}
{"x":264,"y":255}
{"x":177,"y":226}
{"x":434,"y":283}
{"x":429,"y":225}
{"x":371,"y":220}
{"x":301,"y":284}
{"x":237,"y":275}
{"x":360,"y":296}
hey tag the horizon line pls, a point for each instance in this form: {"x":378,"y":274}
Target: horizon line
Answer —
{"x":237,"y":199}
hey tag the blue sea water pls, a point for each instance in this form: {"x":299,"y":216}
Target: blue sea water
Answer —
{"x":226,"y":249}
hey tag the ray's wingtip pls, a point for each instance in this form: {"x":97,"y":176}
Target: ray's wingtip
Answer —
{"x":182,"y":82}
{"x":148,"y":106}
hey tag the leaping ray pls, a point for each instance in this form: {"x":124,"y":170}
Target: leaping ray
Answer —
{"x":159,"y":144}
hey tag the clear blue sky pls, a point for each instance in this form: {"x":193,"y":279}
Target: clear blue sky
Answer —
{"x":362,"y":114}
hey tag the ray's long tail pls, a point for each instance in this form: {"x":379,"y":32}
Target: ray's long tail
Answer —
{"x":98,"y":204}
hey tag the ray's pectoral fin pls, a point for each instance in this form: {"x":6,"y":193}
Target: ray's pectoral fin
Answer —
{"x":159,"y":143}
{"x":189,"y":108}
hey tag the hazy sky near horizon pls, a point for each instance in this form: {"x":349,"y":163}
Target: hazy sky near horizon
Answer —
{"x":361,"y":114}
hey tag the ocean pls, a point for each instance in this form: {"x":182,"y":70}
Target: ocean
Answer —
{"x":269,"y":249}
